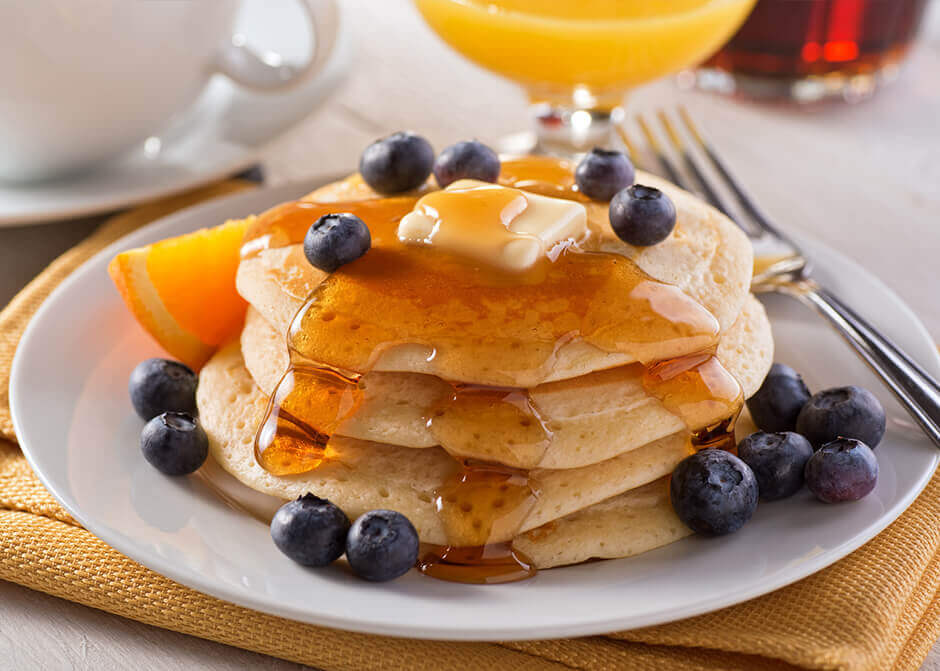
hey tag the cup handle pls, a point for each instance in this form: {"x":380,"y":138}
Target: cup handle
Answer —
{"x":246,"y":68}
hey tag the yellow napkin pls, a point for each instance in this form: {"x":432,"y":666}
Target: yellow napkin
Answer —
{"x":876,"y":609}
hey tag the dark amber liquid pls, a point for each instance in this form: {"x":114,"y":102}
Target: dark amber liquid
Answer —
{"x":799,"y":38}
{"x":474,"y":322}
{"x":484,"y":565}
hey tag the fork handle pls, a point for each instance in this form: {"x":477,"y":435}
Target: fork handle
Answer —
{"x":916,"y":390}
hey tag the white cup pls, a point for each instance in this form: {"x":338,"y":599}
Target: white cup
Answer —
{"x":82,"y":81}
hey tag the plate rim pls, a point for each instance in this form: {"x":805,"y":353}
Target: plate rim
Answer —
{"x":585,"y":625}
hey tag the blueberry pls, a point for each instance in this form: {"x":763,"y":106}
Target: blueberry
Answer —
{"x":713,"y":492}
{"x":160,"y":385}
{"x":843,"y":412}
{"x":843,"y":470}
{"x":642,"y":216}
{"x":466,"y":160}
{"x":311,"y":531}
{"x":335,"y":240}
{"x":602,"y":173}
{"x":174,"y":443}
{"x":778,"y":460}
{"x":399,"y":162}
{"x":381,"y":545}
{"x":779,"y":400}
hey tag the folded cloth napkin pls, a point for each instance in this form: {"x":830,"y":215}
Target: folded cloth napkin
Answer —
{"x":876,"y":609}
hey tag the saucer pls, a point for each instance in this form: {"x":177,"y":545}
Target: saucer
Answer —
{"x":219,"y":136}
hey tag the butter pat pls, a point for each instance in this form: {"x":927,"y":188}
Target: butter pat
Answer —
{"x":496,"y":225}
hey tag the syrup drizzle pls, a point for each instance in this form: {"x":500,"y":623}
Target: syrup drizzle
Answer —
{"x":695,"y":387}
{"x":543,"y":175}
{"x":479,"y":502}
{"x":490,"y":424}
{"x":479,"y":323}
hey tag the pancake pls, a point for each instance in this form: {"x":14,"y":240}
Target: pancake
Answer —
{"x":593,"y":417}
{"x":636,"y":521}
{"x":359,"y":476}
{"x":707,"y":257}
{"x":623,"y":526}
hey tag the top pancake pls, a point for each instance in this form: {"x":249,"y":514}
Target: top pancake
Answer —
{"x":706,"y":256}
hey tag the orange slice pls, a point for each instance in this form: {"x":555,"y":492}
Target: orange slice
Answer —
{"x":182,"y":290}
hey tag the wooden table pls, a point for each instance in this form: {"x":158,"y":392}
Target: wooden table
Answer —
{"x":864,"y":179}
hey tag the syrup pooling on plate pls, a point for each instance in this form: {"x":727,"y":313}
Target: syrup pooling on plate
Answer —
{"x":472,"y":321}
{"x":489,"y":564}
{"x":480,"y":505}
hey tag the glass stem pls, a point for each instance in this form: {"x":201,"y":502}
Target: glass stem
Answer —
{"x":570,"y":131}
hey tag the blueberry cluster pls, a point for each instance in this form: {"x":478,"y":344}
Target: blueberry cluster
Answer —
{"x":639,"y":215}
{"x":380,"y":545}
{"x":163,"y":393}
{"x":400,"y":162}
{"x":403,"y":161}
{"x":824,"y":441}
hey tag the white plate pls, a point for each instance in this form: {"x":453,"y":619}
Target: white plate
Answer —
{"x":220,"y":136}
{"x":77,"y":428}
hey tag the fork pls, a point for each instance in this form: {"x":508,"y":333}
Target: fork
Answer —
{"x":782,"y":267}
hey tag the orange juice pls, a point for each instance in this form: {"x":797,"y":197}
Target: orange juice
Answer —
{"x":603,"y":46}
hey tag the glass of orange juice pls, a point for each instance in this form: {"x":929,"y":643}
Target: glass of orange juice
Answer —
{"x":578,"y":58}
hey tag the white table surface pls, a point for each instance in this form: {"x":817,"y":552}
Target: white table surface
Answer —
{"x":865,"y":179}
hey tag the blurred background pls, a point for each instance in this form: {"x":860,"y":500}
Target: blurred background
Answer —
{"x":404,"y":76}
{"x":828,"y":107}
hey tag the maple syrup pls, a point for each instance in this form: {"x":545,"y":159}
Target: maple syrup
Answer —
{"x":698,"y":388}
{"x":477,"y":322}
{"x":289,"y":222}
{"x":501,"y":328}
{"x":481,"y":502}
{"x":490,"y":424}
{"x":488,"y":564}
{"x":695,"y":387}
{"x":308,"y":405}
{"x":544,"y":175}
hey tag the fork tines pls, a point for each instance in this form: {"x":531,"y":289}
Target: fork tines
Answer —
{"x":687,"y":142}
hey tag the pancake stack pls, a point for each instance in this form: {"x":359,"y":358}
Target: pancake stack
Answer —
{"x":554,"y":465}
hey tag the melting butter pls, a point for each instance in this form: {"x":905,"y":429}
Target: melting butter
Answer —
{"x":497,"y":225}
